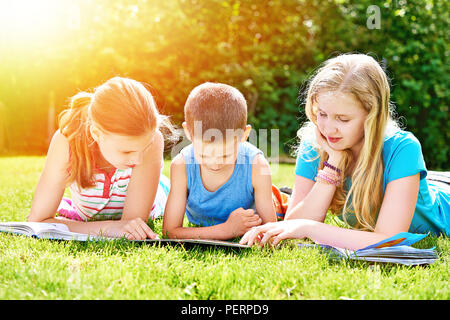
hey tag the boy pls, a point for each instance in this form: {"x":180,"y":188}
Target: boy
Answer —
{"x":219,"y":177}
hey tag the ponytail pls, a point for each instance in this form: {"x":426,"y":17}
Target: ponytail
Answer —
{"x":74,"y":125}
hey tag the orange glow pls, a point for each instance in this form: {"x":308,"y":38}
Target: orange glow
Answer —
{"x":27,"y":20}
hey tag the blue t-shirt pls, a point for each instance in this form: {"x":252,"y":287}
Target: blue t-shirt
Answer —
{"x":205,"y":208}
{"x":402,"y":155}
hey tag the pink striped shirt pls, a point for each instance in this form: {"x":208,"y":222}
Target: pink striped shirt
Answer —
{"x":104,"y":201}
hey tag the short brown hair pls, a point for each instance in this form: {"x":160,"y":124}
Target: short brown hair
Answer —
{"x":217,"y":106}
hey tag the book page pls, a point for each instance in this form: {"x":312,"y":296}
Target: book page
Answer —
{"x":205,"y":242}
{"x":43,"y":230}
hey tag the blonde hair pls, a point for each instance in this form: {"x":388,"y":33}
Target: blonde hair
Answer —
{"x":361,"y":76}
{"x":118,"y":106}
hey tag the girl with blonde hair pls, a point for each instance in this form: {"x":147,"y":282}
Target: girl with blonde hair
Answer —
{"x":109,"y":151}
{"x":355,"y":162}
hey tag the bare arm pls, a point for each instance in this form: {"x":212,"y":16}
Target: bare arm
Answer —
{"x":51,"y":185}
{"x":49,"y":192}
{"x":262,"y":186}
{"x":50,"y":189}
{"x":395,"y":216}
{"x":309,"y":200}
{"x":144,"y":182}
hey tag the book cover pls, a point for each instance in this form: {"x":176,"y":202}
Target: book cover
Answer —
{"x":396,"y":249}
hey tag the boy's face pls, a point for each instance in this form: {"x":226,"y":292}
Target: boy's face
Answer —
{"x":215,"y":156}
{"x":219,"y":154}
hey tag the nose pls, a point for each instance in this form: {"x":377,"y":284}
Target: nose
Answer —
{"x":213,"y":163}
{"x":329,"y":127}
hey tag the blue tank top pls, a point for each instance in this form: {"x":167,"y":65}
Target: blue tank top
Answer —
{"x":205,"y":208}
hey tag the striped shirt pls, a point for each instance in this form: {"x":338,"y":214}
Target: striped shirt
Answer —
{"x":104,"y":201}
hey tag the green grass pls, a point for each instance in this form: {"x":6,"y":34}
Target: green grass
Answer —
{"x":43,"y":269}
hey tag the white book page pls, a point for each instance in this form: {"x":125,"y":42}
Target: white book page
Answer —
{"x":43,"y":230}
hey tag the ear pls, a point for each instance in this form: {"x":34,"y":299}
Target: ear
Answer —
{"x":247,"y":130}
{"x":95,"y":133}
{"x":186,"y":131}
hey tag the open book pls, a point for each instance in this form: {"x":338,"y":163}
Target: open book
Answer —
{"x":41,"y":230}
{"x":395,"y":249}
{"x":59,"y":231}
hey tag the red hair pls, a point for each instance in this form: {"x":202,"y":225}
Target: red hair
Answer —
{"x":119,"y":106}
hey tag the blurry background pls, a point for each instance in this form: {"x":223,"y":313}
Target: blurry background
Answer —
{"x":51,"y":49}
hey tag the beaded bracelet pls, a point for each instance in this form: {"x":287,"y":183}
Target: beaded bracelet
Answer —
{"x":322,"y":180}
{"x":330,"y":179}
{"x":326,"y":164}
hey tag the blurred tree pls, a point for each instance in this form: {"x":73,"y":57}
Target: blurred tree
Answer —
{"x":266,"y":48}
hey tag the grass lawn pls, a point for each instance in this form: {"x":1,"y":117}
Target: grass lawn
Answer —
{"x":32,"y":269}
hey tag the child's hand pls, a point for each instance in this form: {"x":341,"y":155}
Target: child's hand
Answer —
{"x":333,"y":155}
{"x":241,"y":220}
{"x":135,"y":229}
{"x":272,"y":233}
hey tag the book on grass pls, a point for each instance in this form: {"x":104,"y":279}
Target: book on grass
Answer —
{"x":59,"y":231}
{"x":44,"y":230}
{"x":396,"y":249}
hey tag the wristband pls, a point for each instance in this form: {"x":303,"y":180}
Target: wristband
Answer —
{"x":322,"y":175}
{"x":326,"y":164}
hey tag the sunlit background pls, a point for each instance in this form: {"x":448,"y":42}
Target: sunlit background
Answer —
{"x":51,"y":49}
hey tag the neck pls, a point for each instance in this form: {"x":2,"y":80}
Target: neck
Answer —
{"x":356,"y":149}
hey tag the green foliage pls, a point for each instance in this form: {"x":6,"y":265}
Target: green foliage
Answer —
{"x":267,"y":49}
{"x":413,"y":42}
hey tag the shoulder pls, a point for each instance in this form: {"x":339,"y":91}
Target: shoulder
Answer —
{"x":154,"y":153}
{"x":307,"y":150}
{"x":247,"y":153}
{"x":59,"y":145}
{"x":400,"y":137}
{"x":260,"y":161}
{"x":178,"y":165}
{"x":401,"y":141}
{"x":248,"y":148}
{"x":260,"y":169}
{"x":58,"y":155}
{"x":403,"y":156}
{"x":60,"y":139}
{"x":308,"y":158}
{"x":178,"y":171}
{"x":159,"y":138}
{"x":178,"y":160}
{"x":157,"y":144}
{"x":187,"y":154}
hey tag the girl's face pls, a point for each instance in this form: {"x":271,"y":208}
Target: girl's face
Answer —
{"x":340,"y":119}
{"x":120,"y":151}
